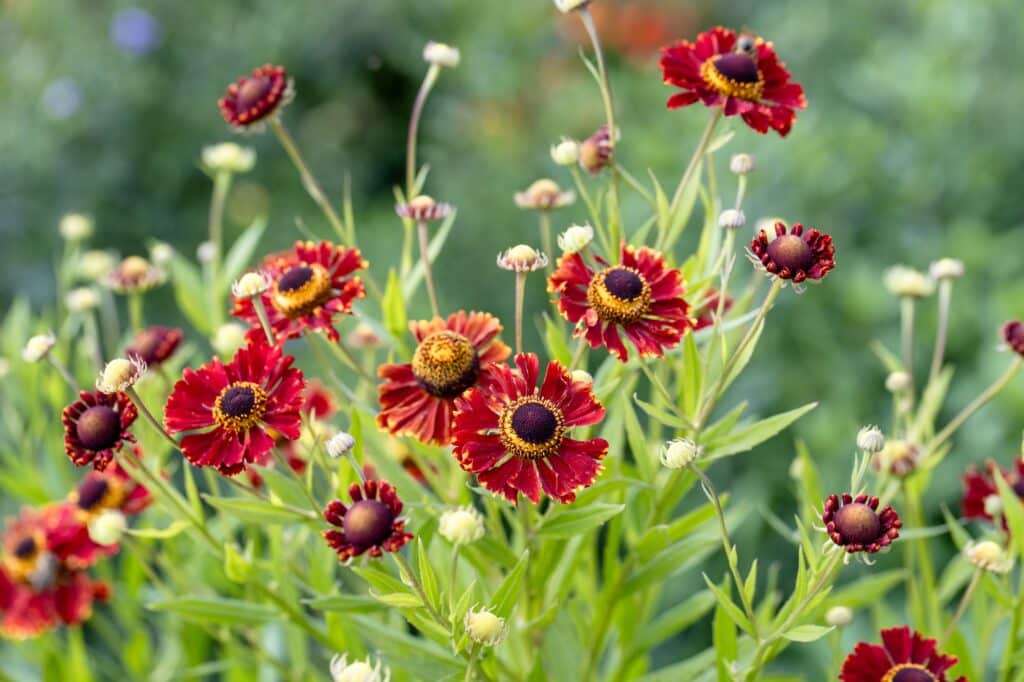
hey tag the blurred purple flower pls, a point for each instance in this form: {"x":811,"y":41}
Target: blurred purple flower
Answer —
{"x":135,"y":31}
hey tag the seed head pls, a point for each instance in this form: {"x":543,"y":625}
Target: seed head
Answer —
{"x":120,"y":374}
{"x":522,"y":258}
{"x":441,"y":54}
{"x":251,"y":284}
{"x":903,"y":281}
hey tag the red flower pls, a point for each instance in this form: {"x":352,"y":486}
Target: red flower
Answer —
{"x":317,"y":404}
{"x":96,"y":426}
{"x":980,"y":486}
{"x":235,"y":405}
{"x":796,"y":256}
{"x":1013,"y":334}
{"x":311,"y":287}
{"x":855,"y":524}
{"x":641,"y":296}
{"x":706,"y":313}
{"x":154,"y":345}
{"x":513,"y":436}
{"x":370,"y":525}
{"x":38,"y":589}
{"x":741,"y":74}
{"x":252,"y":98}
{"x":905,"y":656}
{"x":418,"y":398}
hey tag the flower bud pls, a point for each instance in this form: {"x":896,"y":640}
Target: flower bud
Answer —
{"x":741,"y":164}
{"x":732,"y":219}
{"x":228,"y":157}
{"x":357,"y":671}
{"x":82,"y":299}
{"x":993,"y":505}
{"x":796,"y":468}
{"x":461,"y":526}
{"x":903,"y":281}
{"x":107,"y":527}
{"x":566,"y":6}
{"x":898,"y":458}
{"x":870,"y":439}
{"x":38,"y":347}
{"x":839,"y":616}
{"x":161,"y":253}
{"x":205,"y":252}
{"x":95,"y":265}
{"x":679,"y":453}
{"x":483,"y":627}
{"x":228,"y":338}
{"x":582,"y":376}
{"x":250,"y":284}
{"x":566,"y":152}
{"x":897,"y":382}
{"x":74,"y":227}
{"x":989,"y":556}
{"x":340,"y":444}
{"x":120,"y":374}
{"x":441,"y":54}
{"x":364,"y":336}
{"x":575,"y":238}
{"x":596,"y":151}
{"x":946,"y":268}
{"x":522,"y":258}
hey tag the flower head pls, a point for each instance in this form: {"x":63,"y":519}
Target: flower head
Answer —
{"x":706,"y":314}
{"x":742,"y":164}
{"x":112,"y":489}
{"x":253,"y":98}
{"x":228,"y":338}
{"x":75,"y":227}
{"x":732,"y":219}
{"x":740,"y":73}
{"x":898,"y":457}
{"x":989,"y":556}
{"x":370,"y":525}
{"x":229,"y":409}
{"x":423,"y":209}
{"x":981,"y":494}
{"x":870,"y":439}
{"x":679,"y":453}
{"x":946,"y":268}
{"x":903,"y":281}
{"x":312,"y":285}
{"x":38,"y":347}
{"x":596,"y":151}
{"x":575,"y":239}
{"x":251,"y":284}
{"x":484,"y":627}
{"x":120,"y":374}
{"x":161,"y":253}
{"x":544,"y":194}
{"x":154,"y":345}
{"x":522,"y":258}
{"x":82,"y":299}
{"x":417,"y":398}
{"x":358,"y":671}
{"x":640,"y":296}
{"x":897,"y":381}
{"x":794,"y":255}
{"x":96,"y":426}
{"x":515,"y":436}
{"x":462,"y":525}
{"x":566,"y":152}
{"x":441,"y":54}
{"x":1013,"y":335}
{"x":855,"y":524}
{"x":95,"y":265}
{"x":134,"y":274}
{"x":904,"y":656}
{"x":839,"y":616}
{"x":340,"y":444}
{"x":228,"y":157}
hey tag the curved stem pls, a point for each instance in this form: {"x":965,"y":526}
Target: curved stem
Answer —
{"x":154,"y":422}
{"x":221,"y":185}
{"x":308,"y":179}
{"x":975,"y":405}
{"x":414,"y":124}
{"x":945,"y":296}
{"x":962,"y":608}
{"x":65,"y":373}
{"x":261,"y":312}
{"x":698,"y":154}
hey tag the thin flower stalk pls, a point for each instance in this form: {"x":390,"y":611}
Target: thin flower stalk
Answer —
{"x":945,"y":298}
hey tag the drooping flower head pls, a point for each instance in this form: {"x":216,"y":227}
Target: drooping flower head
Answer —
{"x":370,"y":525}
{"x":96,"y":426}
{"x":904,"y":656}
{"x":981,"y":496}
{"x":154,"y":345}
{"x":794,"y":254}
{"x":312,"y":285}
{"x":544,"y":194}
{"x":134,"y":274}
{"x":229,"y":409}
{"x":742,"y":74}
{"x":418,"y":398}
{"x":514,"y":435}
{"x":640,"y":296}
{"x":1013,"y":335}
{"x":252,"y":98}
{"x":855,"y":525}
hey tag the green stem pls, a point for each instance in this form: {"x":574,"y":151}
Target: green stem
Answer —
{"x":474,"y":652}
{"x":221,"y":185}
{"x":453,"y":579}
{"x":975,"y":405}
{"x":283,"y":463}
{"x":135,"y":311}
{"x":417,"y":587}
{"x":153,"y":421}
{"x":962,"y":608}
{"x":428,"y":275}
{"x":64,"y":373}
{"x":907,"y":340}
{"x":309,"y":181}
{"x":577,"y":357}
{"x":520,"y":295}
{"x":414,"y":124}
{"x":636,"y":186}
{"x":261,"y":312}
{"x":698,"y":154}
{"x":945,"y":297}
{"x":545,"y":238}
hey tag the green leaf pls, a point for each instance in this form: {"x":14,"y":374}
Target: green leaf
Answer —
{"x":807,"y":633}
{"x":217,"y":610}
{"x":427,"y":659}
{"x":254,"y":511}
{"x":554,"y":339}
{"x":734,"y":612}
{"x":393,"y":307}
{"x":867,"y":590}
{"x":159,"y":533}
{"x":399,"y":600}
{"x":679,"y":220}
{"x":427,"y":576}
{"x":1013,"y":511}
{"x":190,"y":293}
{"x":569,"y":521}
{"x":345,"y":603}
{"x":505,"y":598}
{"x":434,"y":249}
{"x":693,"y":376}
{"x":240,"y":254}
{"x":661,"y":415}
{"x":237,"y":567}
{"x":750,"y":437}
{"x":670,"y":623}
{"x":284,"y":487}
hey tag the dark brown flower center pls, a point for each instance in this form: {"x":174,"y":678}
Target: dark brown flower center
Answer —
{"x":301,"y":290}
{"x":91,"y":492}
{"x":367,"y":523}
{"x":252,"y":91}
{"x":791,"y":251}
{"x":858,"y":523}
{"x":98,"y":428}
{"x":295,"y":278}
{"x":531,"y":428}
{"x":1018,"y":487}
{"x":909,"y":672}
{"x":26,"y":548}
{"x":445,"y":364}
{"x":738,"y":67}
{"x":240,"y":406}
{"x":624,"y":284}
{"x":619,"y":294}
{"x":238,"y":401}
{"x":534,"y":423}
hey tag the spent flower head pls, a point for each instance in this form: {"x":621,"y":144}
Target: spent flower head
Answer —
{"x":898,"y":458}
{"x":946,"y":268}
{"x":732,"y":219}
{"x":228,"y":157}
{"x":120,"y":374}
{"x":75,"y":227}
{"x":82,"y":299}
{"x":596,"y":151}
{"x":423,"y":208}
{"x":575,"y":238}
{"x":358,"y":671}
{"x":1013,"y":335}
{"x":522,"y":258}
{"x":38,"y":347}
{"x":484,"y":627}
{"x":742,"y":164}
{"x":251,"y":284}
{"x":870,"y":439}
{"x":989,"y":556}
{"x":462,"y":525}
{"x":544,"y":194}
{"x":134,"y":274}
{"x":441,"y":54}
{"x":107,"y":527}
{"x":566,"y":152}
{"x":901,"y":280}
{"x":679,"y":453}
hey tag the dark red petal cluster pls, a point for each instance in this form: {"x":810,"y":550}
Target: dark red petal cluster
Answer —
{"x":1013,"y":334}
{"x":254,"y":97}
{"x":856,"y":525}
{"x":96,"y":426}
{"x":751,"y":83}
{"x":154,"y":345}
{"x":705,"y":315}
{"x":514,"y":435}
{"x":370,"y":525}
{"x":795,"y":255}
{"x":264,"y":392}
{"x":596,"y":151}
{"x":980,"y":485}
{"x":903,"y":653}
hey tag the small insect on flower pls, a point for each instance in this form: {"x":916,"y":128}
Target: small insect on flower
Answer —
{"x":461,"y":526}
{"x":575,"y":239}
{"x":679,"y":453}
{"x":417,"y":398}
{"x":514,"y":435}
{"x":75,"y":227}
{"x":742,"y":164}
{"x":96,"y":426}
{"x":229,"y":409}
{"x":989,"y":556}
{"x":441,"y":54}
{"x":253,"y":98}
{"x":946,"y":268}
{"x":1013,"y":335}
{"x":120,"y":374}
{"x":134,"y":274}
{"x":793,"y":254}
{"x":904,"y":656}
{"x":423,"y":209}
{"x":544,"y":194}
{"x":484,"y":627}
{"x":370,"y":525}
{"x":640,"y":296}
{"x":155,"y":345}
{"x":228,"y":157}
{"x":854,"y":524}
{"x":595,"y":152}
{"x":903,"y":281}
{"x":739,"y":73}
{"x":358,"y":671}
{"x":522,"y":258}
{"x":38,"y":347}
{"x":566,"y":152}
{"x":981,"y":498}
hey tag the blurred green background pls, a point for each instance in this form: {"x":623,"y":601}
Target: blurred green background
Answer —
{"x":910,"y":150}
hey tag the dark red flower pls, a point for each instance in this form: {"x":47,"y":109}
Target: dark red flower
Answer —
{"x":514,"y":436}
{"x":418,"y":398}
{"x":312,"y":286}
{"x":317,"y":401}
{"x":640,"y":295}
{"x":1013,"y":334}
{"x":317,"y":405}
{"x":596,"y":151}
{"x":370,"y":524}
{"x":741,"y":74}
{"x":38,"y":589}
{"x":96,"y":426}
{"x":905,"y":656}
{"x":706,"y":313}
{"x":980,"y":486}
{"x":254,"y":97}
{"x":234,"y":405}
{"x":794,"y":255}
{"x":154,"y":345}
{"x":856,"y":525}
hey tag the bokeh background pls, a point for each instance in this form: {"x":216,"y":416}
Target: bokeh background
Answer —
{"x":910,"y":150}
